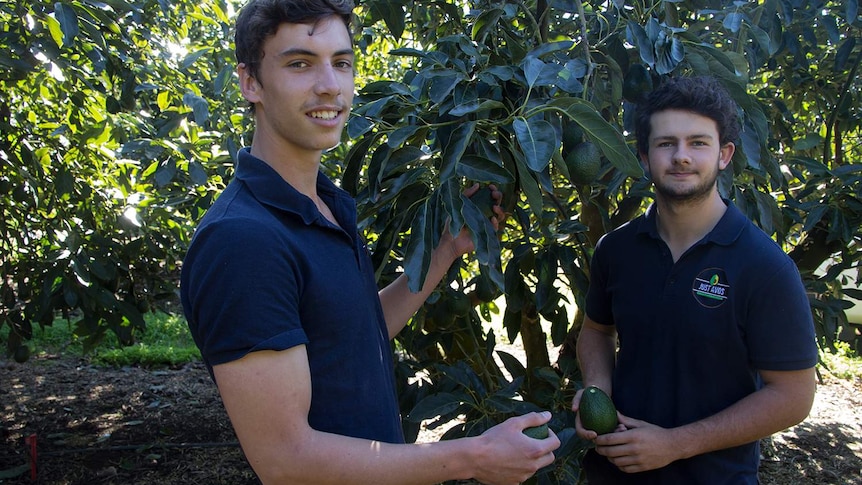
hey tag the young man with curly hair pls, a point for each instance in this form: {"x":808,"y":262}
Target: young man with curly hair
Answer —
{"x":697,"y":323}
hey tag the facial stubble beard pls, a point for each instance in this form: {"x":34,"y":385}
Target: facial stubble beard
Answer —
{"x":688,"y":195}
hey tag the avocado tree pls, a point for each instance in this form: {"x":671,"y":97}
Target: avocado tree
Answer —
{"x":536,"y":97}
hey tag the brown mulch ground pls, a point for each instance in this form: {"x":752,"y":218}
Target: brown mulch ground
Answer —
{"x":167,"y":426}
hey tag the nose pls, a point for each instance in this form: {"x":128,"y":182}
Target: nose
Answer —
{"x":681,"y":155}
{"x":327,"y":81}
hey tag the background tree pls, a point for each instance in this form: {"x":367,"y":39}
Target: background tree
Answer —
{"x":118,"y":122}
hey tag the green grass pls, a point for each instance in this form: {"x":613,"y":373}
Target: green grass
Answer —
{"x":165,"y":342}
{"x":843,"y":363}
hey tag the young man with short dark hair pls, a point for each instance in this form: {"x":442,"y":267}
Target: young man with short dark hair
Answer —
{"x":280,"y":294}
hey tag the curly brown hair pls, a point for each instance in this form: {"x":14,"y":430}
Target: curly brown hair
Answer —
{"x":703,"y":95}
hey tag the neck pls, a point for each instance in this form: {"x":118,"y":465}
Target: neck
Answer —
{"x":299,"y":169}
{"x":683,"y":224}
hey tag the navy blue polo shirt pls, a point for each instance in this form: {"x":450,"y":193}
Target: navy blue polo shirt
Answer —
{"x":267,"y":271}
{"x":692,"y":334}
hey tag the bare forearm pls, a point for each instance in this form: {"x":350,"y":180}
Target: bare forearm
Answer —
{"x":774,"y":408}
{"x":596,"y":350}
{"x":267,"y":395}
{"x":332,"y":459}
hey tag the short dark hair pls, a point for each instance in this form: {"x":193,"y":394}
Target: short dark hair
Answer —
{"x":703,"y":95}
{"x":260,"y":19}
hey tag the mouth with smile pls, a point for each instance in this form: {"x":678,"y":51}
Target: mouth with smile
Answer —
{"x":325,"y":115}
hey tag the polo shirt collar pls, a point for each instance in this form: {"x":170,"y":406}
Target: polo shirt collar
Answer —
{"x":728,"y":229}
{"x":270,"y":189}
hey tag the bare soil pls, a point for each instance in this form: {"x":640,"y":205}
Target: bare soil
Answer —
{"x":167,"y":426}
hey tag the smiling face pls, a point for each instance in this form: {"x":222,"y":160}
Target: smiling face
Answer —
{"x":303,"y":90}
{"x":684,"y":155}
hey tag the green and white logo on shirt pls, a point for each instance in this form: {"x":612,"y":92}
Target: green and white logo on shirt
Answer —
{"x":710,"y":287}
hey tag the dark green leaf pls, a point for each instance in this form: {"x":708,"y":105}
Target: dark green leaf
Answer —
{"x":733,"y":21}
{"x":442,"y":85}
{"x":392,"y":14}
{"x":766,"y":207}
{"x":485,"y":238}
{"x":843,"y":54}
{"x":512,"y":318}
{"x":605,"y":136}
{"x":462,"y":374}
{"x":814,"y":216}
{"x":532,"y":69}
{"x":546,"y":276}
{"x":480,"y":169}
{"x":353,"y":163}
{"x":193,"y":57}
{"x":637,"y":36}
{"x":512,"y":364}
{"x":476,"y":106}
{"x":434,"y":405}
{"x":199,"y":106}
{"x":550,"y":48}
{"x":500,"y":404}
{"x":68,"y":19}
{"x":831,"y":25}
{"x":529,"y":186}
{"x":418,"y":257}
{"x":400,"y":158}
{"x":458,"y":142}
{"x":537,"y":139}
{"x":486,"y":23}
{"x":378,"y":161}
{"x":165,"y":173}
{"x":197,"y":174}
{"x":14,"y":471}
{"x":132,"y":314}
{"x":450,"y":198}
{"x":808,"y":142}
{"x":401,"y":135}
{"x":358,"y":126}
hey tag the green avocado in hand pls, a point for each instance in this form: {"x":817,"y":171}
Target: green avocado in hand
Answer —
{"x":597,"y":411}
{"x":537,"y":432}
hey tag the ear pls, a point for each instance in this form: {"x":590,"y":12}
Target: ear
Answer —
{"x":725,"y":155}
{"x":248,"y":84}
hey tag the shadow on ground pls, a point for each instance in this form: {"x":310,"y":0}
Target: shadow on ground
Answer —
{"x":164,"y":427}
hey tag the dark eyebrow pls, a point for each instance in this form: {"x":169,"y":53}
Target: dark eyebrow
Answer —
{"x":306,"y":52}
{"x":690,"y":137}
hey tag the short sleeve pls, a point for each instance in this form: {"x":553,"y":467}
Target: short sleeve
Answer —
{"x":242,"y":290}
{"x":598,"y":303}
{"x":780,"y":328}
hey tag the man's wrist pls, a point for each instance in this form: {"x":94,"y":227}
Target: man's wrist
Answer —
{"x":685,"y":440}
